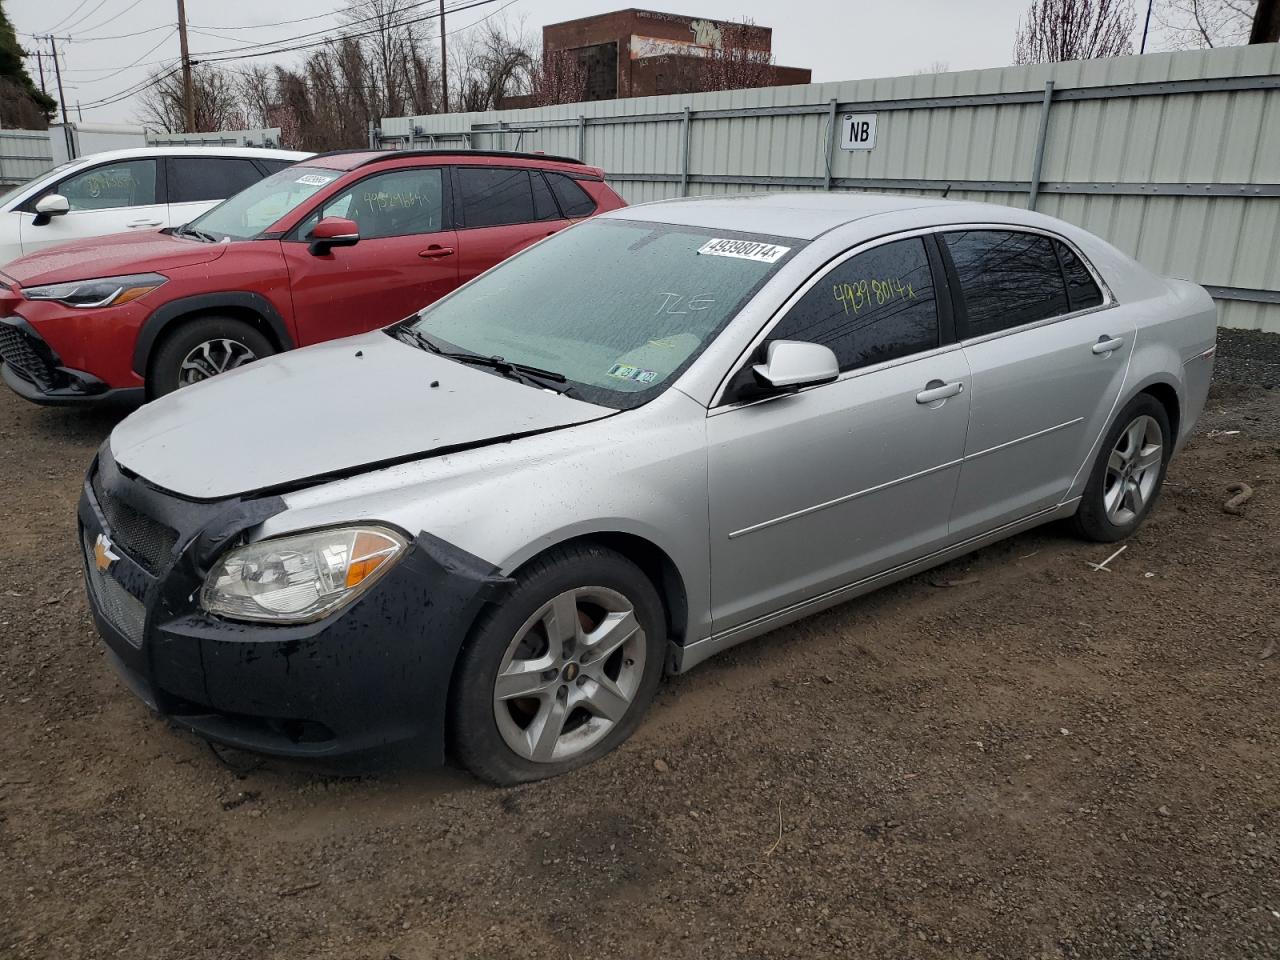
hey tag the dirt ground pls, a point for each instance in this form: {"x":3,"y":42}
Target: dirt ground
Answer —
{"x":1012,"y":756}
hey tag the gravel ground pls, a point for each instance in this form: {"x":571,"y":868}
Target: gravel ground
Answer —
{"x":1014,"y":756}
{"x":1248,"y":356}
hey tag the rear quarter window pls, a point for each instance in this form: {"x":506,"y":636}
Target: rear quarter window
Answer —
{"x":574,"y":201}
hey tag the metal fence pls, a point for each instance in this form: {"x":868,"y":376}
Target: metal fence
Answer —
{"x":23,"y":154}
{"x":1174,"y":158}
{"x":263,"y":137}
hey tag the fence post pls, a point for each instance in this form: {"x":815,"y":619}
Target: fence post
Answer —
{"x":582,"y":138}
{"x":1034,"y":190}
{"x":373,"y":135}
{"x":831,"y":142}
{"x":684,"y":171}
{"x":502,"y":135}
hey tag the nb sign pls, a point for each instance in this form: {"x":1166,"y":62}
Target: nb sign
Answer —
{"x":858,"y":131}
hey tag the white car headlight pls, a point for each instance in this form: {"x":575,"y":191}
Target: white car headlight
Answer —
{"x":102,"y":292}
{"x":300,"y":578}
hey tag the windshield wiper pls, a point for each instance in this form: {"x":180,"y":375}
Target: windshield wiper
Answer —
{"x":516,"y":371}
{"x":186,"y":230}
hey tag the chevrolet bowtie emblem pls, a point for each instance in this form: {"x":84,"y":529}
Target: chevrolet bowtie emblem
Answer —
{"x":102,"y":555}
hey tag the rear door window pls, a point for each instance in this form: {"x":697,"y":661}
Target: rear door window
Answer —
{"x":494,"y":196}
{"x":574,"y":201}
{"x":193,"y":179}
{"x":876,"y":306}
{"x":1008,"y":278}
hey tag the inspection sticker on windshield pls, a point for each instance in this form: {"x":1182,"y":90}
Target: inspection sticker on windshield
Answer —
{"x":744,"y":250}
{"x":638,"y":374}
{"x":315,"y":179}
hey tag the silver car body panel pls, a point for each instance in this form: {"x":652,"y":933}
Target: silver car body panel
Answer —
{"x":764,"y":511}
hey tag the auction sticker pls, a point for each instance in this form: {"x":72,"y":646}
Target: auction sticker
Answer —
{"x":315,"y":179}
{"x":638,"y":374}
{"x":744,"y":250}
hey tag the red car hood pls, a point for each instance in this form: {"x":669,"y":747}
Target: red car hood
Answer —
{"x":111,"y":256}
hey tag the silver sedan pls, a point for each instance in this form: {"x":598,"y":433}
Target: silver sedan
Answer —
{"x":488,"y":531}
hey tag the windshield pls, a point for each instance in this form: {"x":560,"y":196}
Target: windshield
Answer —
{"x":255,"y":208}
{"x":42,"y":178}
{"x":617,"y":307}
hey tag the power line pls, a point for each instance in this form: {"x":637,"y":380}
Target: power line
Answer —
{"x":74,"y":11}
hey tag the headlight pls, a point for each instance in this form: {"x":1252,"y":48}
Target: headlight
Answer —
{"x":300,"y":578}
{"x":104,"y":292}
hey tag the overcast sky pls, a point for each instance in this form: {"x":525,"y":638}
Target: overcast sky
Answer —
{"x":838,"y":39}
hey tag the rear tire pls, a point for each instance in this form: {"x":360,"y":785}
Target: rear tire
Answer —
{"x":561,"y":671}
{"x":202,"y":348}
{"x":1128,"y":474}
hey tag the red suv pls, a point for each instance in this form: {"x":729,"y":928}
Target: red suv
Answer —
{"x":336,"y":245}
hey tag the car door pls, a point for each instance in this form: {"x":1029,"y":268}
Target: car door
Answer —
{"x":501,"y":210}
{"x":195,"y":184}
{"x":405,"y":258}
{"x":1048,"y":355}
{"x":107,"y":198}
{"x":815,"y":490}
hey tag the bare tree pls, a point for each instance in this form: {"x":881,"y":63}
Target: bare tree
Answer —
{"x":1057,"y":30}
{"x":937,"y":66}
{"x":559,"y":77}
{"x":217,"y":102}
{"x":489,"y":67}
{"x":734,"y":65}
{"x":1198,"y":24}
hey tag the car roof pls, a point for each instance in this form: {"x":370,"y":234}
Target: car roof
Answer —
{"x":133,"y":153}
{"x":802,"y":216}
{"x":351,"y":159}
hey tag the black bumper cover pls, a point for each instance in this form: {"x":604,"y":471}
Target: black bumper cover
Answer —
{"x":373,"y":675}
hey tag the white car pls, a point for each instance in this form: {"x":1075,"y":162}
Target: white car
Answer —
{"x":140,"y":189}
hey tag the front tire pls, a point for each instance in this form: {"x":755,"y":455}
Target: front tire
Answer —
{"x":1127,"y":476}
{"x":203,"y":348}
{"x":561,"y":671}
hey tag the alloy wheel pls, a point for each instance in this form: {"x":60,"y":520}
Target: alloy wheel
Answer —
{"x":570,"y":674}
{"x":1133,"y":470}
{"x":212,"y":357}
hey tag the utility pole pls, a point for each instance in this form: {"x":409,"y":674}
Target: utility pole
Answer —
{"x":444,"y":62}
{"x":1266,"y":22}
{"x":40,"y":65}
{"x":188,"y":100}
{"x":57,"y":72}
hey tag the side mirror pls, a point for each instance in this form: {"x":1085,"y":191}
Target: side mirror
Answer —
{"x":334,"y":232}
{"x":49,"y":206}
{"x":791,"y":364}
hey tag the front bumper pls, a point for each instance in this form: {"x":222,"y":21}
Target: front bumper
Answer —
{"x":34,"y":371}
{"x":373,"y":675}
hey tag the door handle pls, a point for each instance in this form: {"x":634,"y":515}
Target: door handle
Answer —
{"x":143,"y":223}
{"x":435,"y":252}
{"x":1107,"y":344}
{"x":936,"y":390}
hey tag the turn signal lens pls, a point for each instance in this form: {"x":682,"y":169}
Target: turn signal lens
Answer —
{"x":302,"y":577}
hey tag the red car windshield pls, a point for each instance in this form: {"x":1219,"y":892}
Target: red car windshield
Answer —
{"x":252,"y":210}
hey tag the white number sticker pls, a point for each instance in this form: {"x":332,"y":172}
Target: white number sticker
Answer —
{"x":744,"y":250}
{"x":315,"y":179}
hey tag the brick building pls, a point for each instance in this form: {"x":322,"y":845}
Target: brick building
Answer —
{"x":641,"y":53}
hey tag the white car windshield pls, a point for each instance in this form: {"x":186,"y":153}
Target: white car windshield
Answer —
{"x":255,"y":208}
{"x":618,"y":308}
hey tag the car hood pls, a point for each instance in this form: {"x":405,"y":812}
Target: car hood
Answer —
{"x":111,"y":256}
{"x":326,"y":411}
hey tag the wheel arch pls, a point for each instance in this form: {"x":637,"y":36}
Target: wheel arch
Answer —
{"x":654,"y":562}
{"x":1167,"y":394}
{"x":250,"y":307}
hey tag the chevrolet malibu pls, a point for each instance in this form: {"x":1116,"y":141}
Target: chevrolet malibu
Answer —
{"x":490,"y":529}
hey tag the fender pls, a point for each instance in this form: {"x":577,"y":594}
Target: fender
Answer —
{"x":165,"y":314}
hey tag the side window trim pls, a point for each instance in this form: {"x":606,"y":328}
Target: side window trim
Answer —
{"x":957,"y":296}
{"x":720,"y":402}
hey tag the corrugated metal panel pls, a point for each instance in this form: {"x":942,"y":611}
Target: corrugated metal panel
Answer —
{"x":1183,"y":136}
{"x":24,"y":154}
